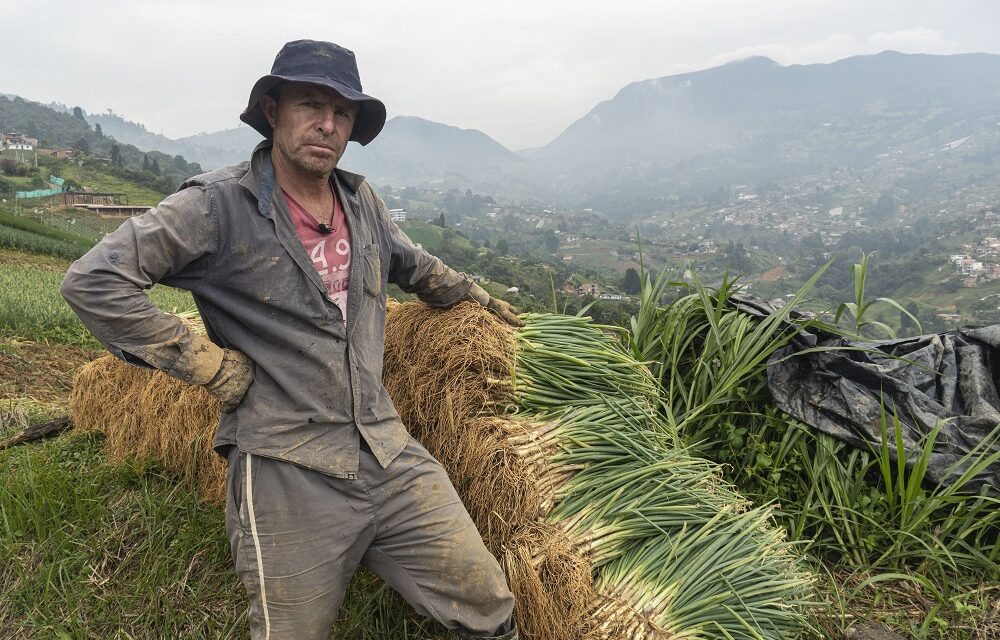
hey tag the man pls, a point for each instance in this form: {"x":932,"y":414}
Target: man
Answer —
{"x":288,"y":259}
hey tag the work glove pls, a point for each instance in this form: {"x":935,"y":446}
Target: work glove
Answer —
{"x":225,"y":373}
{"x":500,"y":308}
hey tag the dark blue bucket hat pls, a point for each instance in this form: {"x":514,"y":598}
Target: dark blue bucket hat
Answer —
{"x":325,"y":64}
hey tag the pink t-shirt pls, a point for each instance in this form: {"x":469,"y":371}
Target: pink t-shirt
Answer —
{"x":330,"y":252}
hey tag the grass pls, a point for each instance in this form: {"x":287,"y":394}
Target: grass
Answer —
{"x":124,"y":551}
{"x":32,"y":226}
{"x":431,"y":236}
{"x":97,"y":181}
{"x":31,"y":307}
{"x":881,"y":527}
{"x":22,"y":240}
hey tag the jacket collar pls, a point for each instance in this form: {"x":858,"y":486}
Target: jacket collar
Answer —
{"x":259,"y":178}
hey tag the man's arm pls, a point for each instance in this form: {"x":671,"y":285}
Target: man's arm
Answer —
{"x":415,"y":270}
{"x":174,"y":242}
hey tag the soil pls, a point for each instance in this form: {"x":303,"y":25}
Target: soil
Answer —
{"x":38,"y":261}
{"x":39,"y":371}
{"x":774,"y":274}
{"x":870,"y":631}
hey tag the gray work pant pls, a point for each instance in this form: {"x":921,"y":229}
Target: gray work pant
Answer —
{"x":297,"y":537}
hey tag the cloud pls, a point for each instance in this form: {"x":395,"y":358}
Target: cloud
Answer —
{"x":912,"y":41}
{"x":833,"y":47}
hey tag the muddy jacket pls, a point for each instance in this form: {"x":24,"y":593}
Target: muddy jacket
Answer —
{"x":227,"y":237}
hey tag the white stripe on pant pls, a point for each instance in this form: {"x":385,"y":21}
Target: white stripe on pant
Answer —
{"x":256,"y":546}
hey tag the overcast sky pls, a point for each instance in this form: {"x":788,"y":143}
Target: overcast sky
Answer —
{"x":520,"y":71}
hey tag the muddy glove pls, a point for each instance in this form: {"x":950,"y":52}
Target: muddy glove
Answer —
{"x":233,"y":371}
{"x":500,"y":308}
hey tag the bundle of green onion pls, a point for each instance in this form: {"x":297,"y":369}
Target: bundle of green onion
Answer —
{"x":676,"y":552}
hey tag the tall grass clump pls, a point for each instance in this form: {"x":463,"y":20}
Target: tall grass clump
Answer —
{"x":708,"y":356}
{"x":870,"y":513}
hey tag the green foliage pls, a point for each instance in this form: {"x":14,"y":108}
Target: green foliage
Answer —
{"x":32,"y":226}
{"x":551,"y":241}
{"x":13,"y":238}
{"x":61,"y":130}
{"x":631,"y":283}
{"x":860,"y":307}
{"x":54,"y":128}
{"x":858,"y":511}
{"x":99,"y":550}
{"x":31,"y":306}
{"x":709,"y":356}
{"x":664,"y":531}
{"x":861,"y":508}
{"x":140,"y":190}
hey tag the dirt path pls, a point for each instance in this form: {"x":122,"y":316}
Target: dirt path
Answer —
{"x":38,"y":371}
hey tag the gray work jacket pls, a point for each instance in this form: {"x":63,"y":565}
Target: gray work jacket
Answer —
{"x":227,"y":237}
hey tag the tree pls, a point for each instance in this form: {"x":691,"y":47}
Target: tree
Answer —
{"x":145,"y":162}
{"x":78,"y":112}
{"x":82,"y":145}
{"x":116,"y":156}
{"x":441,"y":221}
{"x":502,"y":247}
{"x":631,"y":283}
{"x":739,"y":260}
{"x":885,"y":206}
{"x":98,"y":130}
{"x":155,"y":167}
{"x":179,"y":162}
{"x":486,"y":243}
{"x":450,"y":202}
{"x":551,"y":241}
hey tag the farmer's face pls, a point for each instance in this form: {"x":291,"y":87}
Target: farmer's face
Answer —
{"x":312,"y":125}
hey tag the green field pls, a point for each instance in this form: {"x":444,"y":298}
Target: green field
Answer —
{"x":97,"y":181}
{"x":31,"y":307}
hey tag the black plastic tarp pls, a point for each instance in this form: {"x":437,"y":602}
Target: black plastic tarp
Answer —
{"x":950,"y":377}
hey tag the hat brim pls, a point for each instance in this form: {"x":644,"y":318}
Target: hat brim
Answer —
{"x":367,"y":124}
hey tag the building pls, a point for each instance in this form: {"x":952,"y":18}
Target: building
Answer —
{"x":397,"y":215}
{"x":19,"y":141}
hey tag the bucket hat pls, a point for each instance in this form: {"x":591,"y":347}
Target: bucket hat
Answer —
{"x":325,"y":64}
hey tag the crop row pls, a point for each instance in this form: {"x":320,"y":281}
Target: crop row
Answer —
{"x":31,"y":306}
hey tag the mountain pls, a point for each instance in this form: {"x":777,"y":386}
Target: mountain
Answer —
{"x":750,"y":122}
{"x":60,"y":128}
{"x":210,"y":150}
{"x":756,"y":120}
{"x":223,"y":148}
{"x":412,"y":150}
